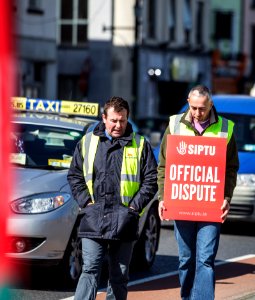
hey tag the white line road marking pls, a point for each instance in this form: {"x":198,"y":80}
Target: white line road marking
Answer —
{"x":155,"y":277}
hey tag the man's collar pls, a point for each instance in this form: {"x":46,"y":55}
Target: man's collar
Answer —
{"x":108,"y":135}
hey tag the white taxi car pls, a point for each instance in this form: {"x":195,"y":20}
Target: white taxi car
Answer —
{"x":42,"y":227}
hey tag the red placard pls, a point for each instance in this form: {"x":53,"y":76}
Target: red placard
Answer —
{"x":194,"y":178}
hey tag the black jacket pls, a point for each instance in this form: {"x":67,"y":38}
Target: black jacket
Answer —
{"x":108,"y":218}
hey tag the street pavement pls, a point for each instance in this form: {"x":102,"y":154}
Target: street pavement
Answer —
{"x":235,"y":280}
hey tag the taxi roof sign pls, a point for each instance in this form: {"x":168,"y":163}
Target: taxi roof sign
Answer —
{"x":56,"y":106}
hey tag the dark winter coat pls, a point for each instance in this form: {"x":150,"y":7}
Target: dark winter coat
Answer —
{"x":108,"y":218}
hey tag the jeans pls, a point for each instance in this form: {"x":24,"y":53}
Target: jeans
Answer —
{"x":93,"y":253}
{"x":198,"y":245}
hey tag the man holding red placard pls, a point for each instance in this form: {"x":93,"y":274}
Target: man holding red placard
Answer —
{"x":198,"y":164}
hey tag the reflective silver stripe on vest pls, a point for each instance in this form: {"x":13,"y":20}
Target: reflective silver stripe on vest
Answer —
{"x":224,"y":128}
{"x":86,"y":158}
{"x":129,"y":177}
{"x":177,"y":124}
{"x":138,"y":140}
{"x":125,"y":200}
{"x":89,"y":177}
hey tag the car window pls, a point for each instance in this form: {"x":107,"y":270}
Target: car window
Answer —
{"x":41,"y":145}
{"x":244,"y":130}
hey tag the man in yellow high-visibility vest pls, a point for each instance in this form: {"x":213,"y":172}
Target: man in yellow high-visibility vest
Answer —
{"x":198,"y":241}
{"x":113,"y":176}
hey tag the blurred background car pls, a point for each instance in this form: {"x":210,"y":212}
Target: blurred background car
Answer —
{"x":44,"y":219}
{"x":153,"y":128}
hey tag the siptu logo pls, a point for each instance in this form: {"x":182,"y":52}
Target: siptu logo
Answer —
{"x":190,"y":149}
{"x":182,"y":149}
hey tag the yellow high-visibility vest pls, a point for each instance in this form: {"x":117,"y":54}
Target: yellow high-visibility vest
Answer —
{"x":130,"y":170}
{"x":223,"y":128}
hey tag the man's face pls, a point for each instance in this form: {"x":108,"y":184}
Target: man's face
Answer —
{"x":115,"y":122}
{"x":199,"y":106}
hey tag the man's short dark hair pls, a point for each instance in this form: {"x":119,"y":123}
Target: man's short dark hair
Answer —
{"x":117,"y":103}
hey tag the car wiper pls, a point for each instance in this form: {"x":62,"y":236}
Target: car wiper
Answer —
{"x":43,"y":167}
{"x":49,"y":167}
{"x":20,"y":165}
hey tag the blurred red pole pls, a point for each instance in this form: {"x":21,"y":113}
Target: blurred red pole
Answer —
{"x":6,"y":91}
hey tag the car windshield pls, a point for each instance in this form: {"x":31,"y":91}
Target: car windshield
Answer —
{"x":244,"y":131}
{"x":43,"y":145}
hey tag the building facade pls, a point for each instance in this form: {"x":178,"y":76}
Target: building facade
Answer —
{"x":173,"y":54}
{"x":36,"y":48}
{"x":150,"y":52}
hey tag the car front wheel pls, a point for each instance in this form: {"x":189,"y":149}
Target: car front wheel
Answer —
{"x":72,"y":261}
{"x":147,"y":245}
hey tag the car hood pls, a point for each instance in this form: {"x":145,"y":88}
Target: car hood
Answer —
{"x":247,"y":162}
{"x":33,"y":181}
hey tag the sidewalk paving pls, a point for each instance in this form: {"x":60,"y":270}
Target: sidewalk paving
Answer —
{"x":235,"y":280}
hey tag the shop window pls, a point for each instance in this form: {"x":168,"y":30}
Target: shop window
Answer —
{"x":151,"y":19}
{"x":199,"y":25}
{"x":73,"y":22}
{"x":172,"y":20}
{"x":223,"y":25}
{"x":187,"y":20}
{"x":68,"y":88}
{"x":35,"y":7}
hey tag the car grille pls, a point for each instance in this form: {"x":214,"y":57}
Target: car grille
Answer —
{"x":241,"y":210}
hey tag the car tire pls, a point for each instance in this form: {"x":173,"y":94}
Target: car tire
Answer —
{"x":146,"y":247}
{"x":71,"y":265}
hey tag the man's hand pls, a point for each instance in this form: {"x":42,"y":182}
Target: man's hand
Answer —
{"x":161,"y":208}
{"x":131,"y":207}
{"x":225,"y":208}
{"x":89,"y":203}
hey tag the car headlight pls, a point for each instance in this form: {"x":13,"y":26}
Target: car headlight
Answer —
{"x":246,"y":180}
{"x":39,"y":203}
